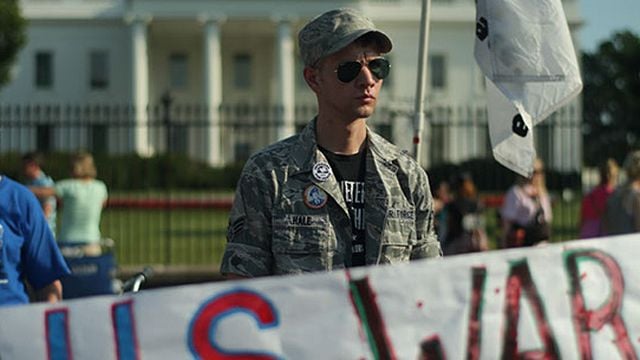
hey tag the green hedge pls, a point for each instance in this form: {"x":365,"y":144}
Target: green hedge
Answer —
{"x":132,"y":172}
{"x":491,"y":176}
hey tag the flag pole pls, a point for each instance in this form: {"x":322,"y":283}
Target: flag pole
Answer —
{"x":425,"y":19}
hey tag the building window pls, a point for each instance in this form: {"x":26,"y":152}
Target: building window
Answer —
{"x":242,"y":151}
{"x":179,"y":139}
{"x":99,"y":140}
{"x":98,"y":70}
{"x":178,"y":71}
{"x":438,"y":72}
{"x":437,"y":143}
{"x":242,"y":71}
{"x":43,"y":137}
{"x":44,"y":69}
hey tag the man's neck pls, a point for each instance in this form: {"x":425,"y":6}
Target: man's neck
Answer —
{"x":341,"y":137}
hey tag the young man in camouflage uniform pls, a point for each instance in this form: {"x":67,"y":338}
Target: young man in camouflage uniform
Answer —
{"x":336,"y":195}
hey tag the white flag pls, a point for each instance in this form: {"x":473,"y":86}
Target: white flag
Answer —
{"x":524,"y":49}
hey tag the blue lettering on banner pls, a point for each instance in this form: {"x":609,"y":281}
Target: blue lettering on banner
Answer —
{"x":57,"y":333}
{"x":124,"y":327}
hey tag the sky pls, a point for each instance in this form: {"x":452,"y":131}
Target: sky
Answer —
{"x":604,"y":17}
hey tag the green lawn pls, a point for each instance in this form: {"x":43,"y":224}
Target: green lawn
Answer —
{"x":197,"y":236}
{"x":564,"y":225}
{"x":159,"y":237}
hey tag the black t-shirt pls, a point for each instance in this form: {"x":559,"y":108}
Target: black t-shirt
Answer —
{"x":349,"y":170}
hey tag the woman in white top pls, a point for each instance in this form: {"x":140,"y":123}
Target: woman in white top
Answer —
{"x":82,"y":197}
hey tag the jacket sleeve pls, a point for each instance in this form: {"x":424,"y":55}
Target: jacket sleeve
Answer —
{"x":248,"y":250}
{"x":427,"y":245}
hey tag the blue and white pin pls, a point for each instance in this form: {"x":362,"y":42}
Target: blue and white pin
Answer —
{"x":321,"y":171}
{"x":314,"y":197}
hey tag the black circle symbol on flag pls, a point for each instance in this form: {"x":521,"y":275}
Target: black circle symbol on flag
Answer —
{"x":482,"y":29}
{"x":519,"y":127}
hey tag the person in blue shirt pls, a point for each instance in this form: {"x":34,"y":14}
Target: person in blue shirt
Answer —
{"x":35,"y":176}
{"x":28,"y":251}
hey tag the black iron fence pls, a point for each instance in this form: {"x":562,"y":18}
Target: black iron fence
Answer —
{"x":177,"y":225}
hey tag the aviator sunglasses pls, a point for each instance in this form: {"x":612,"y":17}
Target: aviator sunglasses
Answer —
{"x":349,"y":70}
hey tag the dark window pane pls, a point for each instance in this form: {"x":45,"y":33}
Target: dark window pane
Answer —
{"x":242,"y":71}
{"x":99,"y":140}
{"x":438,"y":72}
{"x":44,"y":69}
{"x":99,"y":70}
{"x":178,"y":71}
{"x":43,"y":137}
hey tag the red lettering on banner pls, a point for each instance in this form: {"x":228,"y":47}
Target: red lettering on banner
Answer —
{"x":431,"y":349}
{"x":370,"y":317}
{"x":478,"y":277}
{"x":609,"y":313}
{"x":204,"y":323}
{"x":520,"y":279}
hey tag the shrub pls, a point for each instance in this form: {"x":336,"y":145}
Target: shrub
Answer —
{"x":132,"y":172}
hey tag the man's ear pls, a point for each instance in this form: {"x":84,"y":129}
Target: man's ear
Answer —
{"x":311,"y":77}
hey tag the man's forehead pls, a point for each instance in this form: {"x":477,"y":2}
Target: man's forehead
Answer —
{"x":356,"y":51}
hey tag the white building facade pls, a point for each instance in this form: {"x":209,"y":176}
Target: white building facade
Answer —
{"x":217,"y":52}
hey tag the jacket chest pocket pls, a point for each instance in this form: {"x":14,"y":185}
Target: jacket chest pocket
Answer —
{"x":399,"y":236}
{"x":302,"y":243}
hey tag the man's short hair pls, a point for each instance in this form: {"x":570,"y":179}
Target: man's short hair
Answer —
{"x":34,"y":157}
{"x":334,"y":30}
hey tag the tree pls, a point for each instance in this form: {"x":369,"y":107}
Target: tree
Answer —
{"x":12,"y":36}
{"x":612,"y":98}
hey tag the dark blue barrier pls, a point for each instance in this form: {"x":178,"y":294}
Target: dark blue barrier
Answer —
{"x":90,"y":275}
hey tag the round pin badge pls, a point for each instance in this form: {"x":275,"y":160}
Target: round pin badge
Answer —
{"x":321,"y":171}
{"x":314,"y":197}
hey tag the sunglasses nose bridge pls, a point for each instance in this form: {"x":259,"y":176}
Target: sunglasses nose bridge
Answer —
{"x":369,"y":75}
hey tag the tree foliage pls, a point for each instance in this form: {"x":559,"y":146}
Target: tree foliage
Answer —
{"x":12,"y":36}
{"x":612,"y":98}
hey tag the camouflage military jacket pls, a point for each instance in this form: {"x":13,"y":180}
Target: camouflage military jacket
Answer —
{"x":285,"y":221}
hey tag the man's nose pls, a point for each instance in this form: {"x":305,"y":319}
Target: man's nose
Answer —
{"x":366,"y":77}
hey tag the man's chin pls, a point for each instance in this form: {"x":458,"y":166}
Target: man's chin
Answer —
{"x":365,"y":111}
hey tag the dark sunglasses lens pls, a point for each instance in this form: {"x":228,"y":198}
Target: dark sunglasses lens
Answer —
{"x":348,"y":71}
{"x":379,"y":67}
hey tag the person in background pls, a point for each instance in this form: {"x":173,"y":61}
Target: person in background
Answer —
{"x":622,"y":213}
{"x":28,"y":250}
{"x":526,"y":212}
{"x":34,"y":176}
{"x":336,"y":195}
{"x":83,"y":198}
{"x":593,"y":205}
{"x":442,"y":196}
{"x":466,"y":231}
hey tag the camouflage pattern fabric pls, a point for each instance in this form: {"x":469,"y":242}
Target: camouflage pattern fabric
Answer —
{"x":285,"y":221}
{"x":333,"y":30}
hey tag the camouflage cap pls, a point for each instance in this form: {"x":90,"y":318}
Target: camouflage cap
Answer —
{"x":332,"y":31}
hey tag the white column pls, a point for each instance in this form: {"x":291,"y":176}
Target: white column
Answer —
{"x":213,"y":89}
{"x":140,"y":84}
{"x":285,"y":72}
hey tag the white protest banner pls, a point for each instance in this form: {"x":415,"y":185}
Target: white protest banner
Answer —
{"x":572,"y":300}
{"x":524,"y":49}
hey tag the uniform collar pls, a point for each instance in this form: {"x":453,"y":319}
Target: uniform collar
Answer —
{"x":308,"y":153}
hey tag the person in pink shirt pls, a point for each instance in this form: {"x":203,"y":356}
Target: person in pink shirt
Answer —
{"x":594,"y":203}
